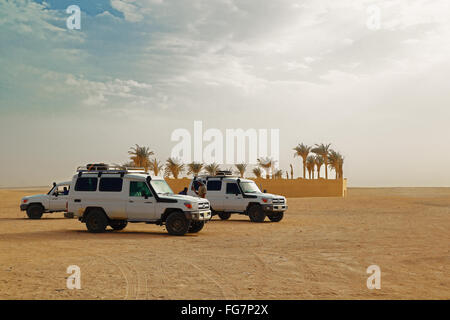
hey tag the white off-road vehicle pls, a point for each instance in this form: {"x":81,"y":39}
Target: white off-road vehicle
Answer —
{"x":54,"y":201}
{"x":230,"y":194}
{"x":103,"y":195}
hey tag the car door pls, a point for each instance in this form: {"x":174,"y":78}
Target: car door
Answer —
{"x":214,"y":194}
{"x":141,"y":202}
{"x":234,"y":201}
{"x":58,"y":198}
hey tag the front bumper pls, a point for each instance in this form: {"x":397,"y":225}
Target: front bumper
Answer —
{"x":274,"y":207}
{"x":203,"y":215}
{"x":23,"y":206}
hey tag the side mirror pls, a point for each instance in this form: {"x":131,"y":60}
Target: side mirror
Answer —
{"x":145,"y":196}
{"x":55,"y":193}
{"x":236,"y":194}
{"x":264,"y":191}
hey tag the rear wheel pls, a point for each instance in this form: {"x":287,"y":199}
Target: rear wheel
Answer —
{"x":177,"y":224}
{"x":118,"y":224}
{"x":256,"y":213}
{"x":196,"y":226}
{"x":276,"y":216}
{"x":96,"y":221}
{"x":35,"y":211}
{"x":224,"y":215}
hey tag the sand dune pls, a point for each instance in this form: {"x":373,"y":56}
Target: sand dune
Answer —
{"x":319,"y":251}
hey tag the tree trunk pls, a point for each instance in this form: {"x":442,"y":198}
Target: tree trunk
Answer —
{"x":304,"y":168}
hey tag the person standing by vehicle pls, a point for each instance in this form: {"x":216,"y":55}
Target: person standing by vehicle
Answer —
{"x":201,"y":190}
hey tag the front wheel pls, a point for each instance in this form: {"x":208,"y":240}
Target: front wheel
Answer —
{"x":177,"y":224}
{"x":256,"y":213}
{"x":196,"y":226}
{"x":35,"y":211}
{"x":224,"y":215}
{"x":118,"y":224}
{"x":276,"y":217}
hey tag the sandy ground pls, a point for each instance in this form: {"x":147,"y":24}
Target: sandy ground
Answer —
{"x":321,"y":250}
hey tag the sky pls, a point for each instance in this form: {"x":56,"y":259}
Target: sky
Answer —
{"x":369,"y":77}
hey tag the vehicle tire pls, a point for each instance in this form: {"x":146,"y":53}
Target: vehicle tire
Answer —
{"x":96,"y":221}
{"x":68,"y":215}
{"x":256,"y":213}
{"x":177,"y":224}
{"x":118,"y":224}
{"x":224,"y":215}
{"x":276,"y":216}
{"x":196,"y":226}
{"x":35,"y":211}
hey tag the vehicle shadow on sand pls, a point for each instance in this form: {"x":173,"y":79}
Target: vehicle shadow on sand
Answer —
{"x":238,"y":221}
{"x":42,"y":219}
{"x":71,"y":234}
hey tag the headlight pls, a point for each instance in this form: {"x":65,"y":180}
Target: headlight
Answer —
{"x":188,"y":205}
{"x":265,"y":200}
{"x":24,"y":200}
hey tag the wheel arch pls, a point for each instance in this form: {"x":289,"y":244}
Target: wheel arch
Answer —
{"x":168,"y":211}
{"x":250,"y":204}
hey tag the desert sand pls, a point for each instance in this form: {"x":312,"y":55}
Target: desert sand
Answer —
{"x":320,"y":250}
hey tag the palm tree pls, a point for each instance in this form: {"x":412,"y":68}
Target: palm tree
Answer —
{"x":266,"y":163}
{"x":310,"y":164}
{"x":257,"y":172}
{"x":336,"y":161}
{"x":322,"y":150}
{"x":156,"y":166}
{"x":278,"y":174}
{"x":140,"y":156}
{"x":212,"y":168}
{"x":319,"y":163}
{"x":341,"y":167}
{"x":241,"y":167}
{"x":302,"y":150}
{"x":194,"y":168}
{"x":173,"y":167}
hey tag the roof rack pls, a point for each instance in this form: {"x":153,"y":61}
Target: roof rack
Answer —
{"x":219,"y":174}
{"x":224,"y":173}
{"x":101,"y":168}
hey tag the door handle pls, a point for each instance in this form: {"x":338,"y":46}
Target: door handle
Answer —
{"x":148,"y":202}
{"x":77,"y":200}
{"x":130,"y":201}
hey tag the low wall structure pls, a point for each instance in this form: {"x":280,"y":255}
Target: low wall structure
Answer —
{"x":290,"y":188}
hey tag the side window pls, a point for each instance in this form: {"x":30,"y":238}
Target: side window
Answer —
{"x":111,"y":184}
{"x":232,"y":188}
{"x":86,"y":184}
{"x":214,"y":185}
{"x":139,"y":189}
{"x":62,"y":190}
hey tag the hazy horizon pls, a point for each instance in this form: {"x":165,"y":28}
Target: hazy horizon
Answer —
{"x":137,"y":70}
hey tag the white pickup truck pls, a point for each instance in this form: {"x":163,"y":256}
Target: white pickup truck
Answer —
{"x":54,"y":201}
{"x":102,"y":196}
{"x":230,"y":194}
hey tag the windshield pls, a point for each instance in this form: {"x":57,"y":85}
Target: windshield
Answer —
{"x":249,"y":187}
{"x":161,"y":187}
